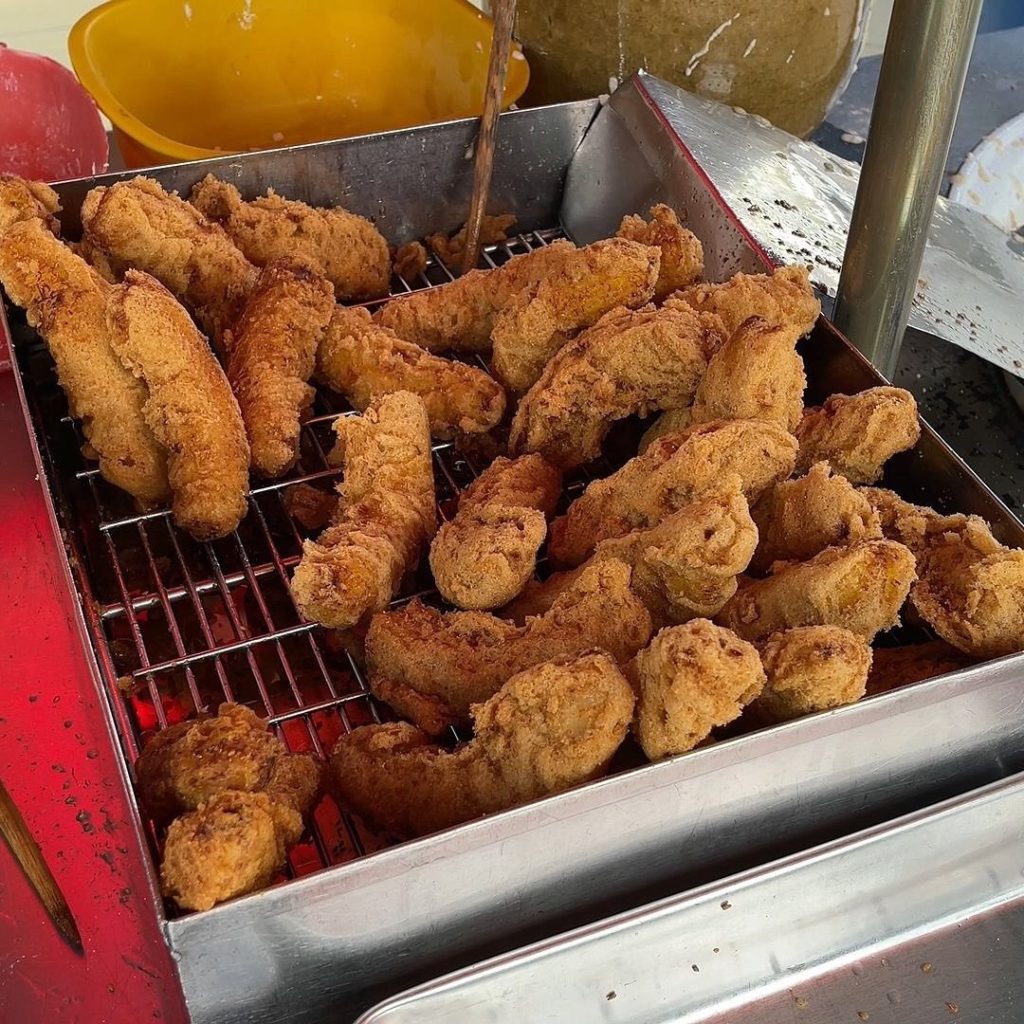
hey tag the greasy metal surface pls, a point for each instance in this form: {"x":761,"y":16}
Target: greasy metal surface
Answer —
{"x":870,"y":928}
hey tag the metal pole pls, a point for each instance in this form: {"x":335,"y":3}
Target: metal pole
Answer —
{"x":919,"y":86}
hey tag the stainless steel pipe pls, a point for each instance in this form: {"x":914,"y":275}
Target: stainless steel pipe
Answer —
{"x":919,"y":86}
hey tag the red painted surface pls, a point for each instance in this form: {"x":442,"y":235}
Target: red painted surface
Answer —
{"x":58,"y":762}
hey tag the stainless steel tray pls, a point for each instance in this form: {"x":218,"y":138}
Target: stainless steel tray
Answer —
{"x":918,"y":921}
{"x":374,"y":922}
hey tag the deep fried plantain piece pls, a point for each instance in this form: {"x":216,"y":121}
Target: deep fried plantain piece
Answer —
{"x":346,"y":248}
{"x":629,"y":363}
{"x":672,"y":421}
{"x":189,"y":405}
{"x":363,"y":361}
{"x":386,"y":514}
{"x":782,"y":297}
{"x":65,"y":301}
{"x":756,"y":375}
{"x":272,"y":352}
{"x":483,"y":557}
{"x":462,"y":658}
{"x":858,"y":434}
{"x":894,"y":667}
{"x":809,"y":669}
{"x":138,"y":224}
{"x":798,"y":518}
{"x":672,"y":472}
{"x":689,"y":680}
{"x":684,"y":567}
{"x":682,"y":255}
{"x":21,"y":199}
{"x":970,"y":588}
{"x":534,"y":324}
{"x":860,"y":587}
{"x":549,"y":727}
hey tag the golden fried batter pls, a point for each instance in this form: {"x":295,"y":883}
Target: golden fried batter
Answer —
{"x":689,"y":680}
{"x":462,"y":658}
{"x":410,"y":260}
{"x":310,"y":507}
{"x":672,"y":421}
{"x":65,"y":300}
{"x":673,"y":471}
{"x":533,"y":325}
{"x":682,"y":255}
{"x":272,"y":352}
{"x":894,"y":667}
{"x":385,"y":516}
{"x":812,"y":668}
{"x":860,"y":587}
{"x":858,"y":434}
{"x":363,"y":361}
{"x":21,"y":199}
{"x":346,"y":248}
{"x":970,"y":588}
{"x":629,"y":363}
{"x":137,"y":224}
{"x":189,"y":405}
{"x":483,"y":557}
{"x":756,"y":375}
{"x":550,"y":727}
{"x":450,"y":251}
{"x":782,"y":297}
{"x":798,"y":518}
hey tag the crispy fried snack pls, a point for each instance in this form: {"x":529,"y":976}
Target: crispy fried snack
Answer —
{"x":689,"y":680}
{"x":798,"y":518}
{"x":673,"y":471}
{"x":970,"y":588}
{"x":346,"y":248}
{"x":21,"y":199}
{"x":682,"y":255}
{"x":533,"y":325}
{"x":672,"y":421}
{"x":310,"y":507}
{"x":858,"y":434}
{"x":137,"y":224}
{"x":894,"y":667}
{"x":684,"y":567}
{"x":410,"y":260}
{"x":812,"y":668}
{"x":272,"y":352}
{"x":483,"y":557}
{"x":386,"y":514}
{"x":860,"y":588}
{"x":756,"y":375}
{"x":450,"y":250}
{"x":363,"y":361}
{"x":419,"y":658}
{"x":65,"y":300}
{"x":189,"y":405}
{"x":782,"y":297}
{"x":550,"y":727}
{"x":629,"y":363}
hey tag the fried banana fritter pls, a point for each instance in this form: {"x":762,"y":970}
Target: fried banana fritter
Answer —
{"x":550,"y":727}
{"x":483,"y":557}
{"x":672,"y":421}
{"x":756,"y":375}
{"x":690,"y":680}
{"x":672,"y":472}
{"x":386,"y":514}
{"x":21,"y":199}
{"x":534,"y":324}
{"x":798,"y":518}
{"x":629,"y":363}
{"x":137,"y":224}
{"x":860,"y":588}
{"x":189,"y":405}
{"x":65,"y":300}
{"x":782,"y":297}
{"x":456,"y":659}
{"x":346,"y":248}
{"x":272,"y":352}
{"x":858,"y":434}
{"x":894,"y":667}
{"x":682,"y":255}
{"x":812,"y":668}
{"x":970,"y":588}
{"x":363,"y":361}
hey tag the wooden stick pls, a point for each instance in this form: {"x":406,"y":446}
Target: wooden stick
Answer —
{"x":501,"y":44}
{"x":26,"y":852}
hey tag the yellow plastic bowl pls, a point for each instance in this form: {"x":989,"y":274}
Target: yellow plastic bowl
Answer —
{"x":188,"y":79}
